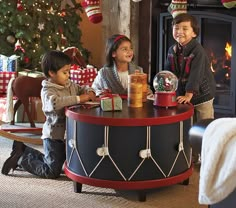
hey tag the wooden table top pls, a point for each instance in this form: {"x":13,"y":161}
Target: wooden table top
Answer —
{"x":146,"y":115}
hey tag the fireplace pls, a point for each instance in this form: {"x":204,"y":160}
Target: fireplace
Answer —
{"x":217,"y":35}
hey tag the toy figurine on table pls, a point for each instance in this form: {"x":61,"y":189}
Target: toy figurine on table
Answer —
{"x":165,"y":84}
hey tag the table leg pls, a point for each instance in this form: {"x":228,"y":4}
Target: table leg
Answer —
{"x":185,"y":182}
{"x":142,"y":195}
{"x":77,"y":187}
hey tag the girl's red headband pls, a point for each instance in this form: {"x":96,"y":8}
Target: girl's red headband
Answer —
{"x":118,"y":38}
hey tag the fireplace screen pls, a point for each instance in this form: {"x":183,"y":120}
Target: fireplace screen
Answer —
{"x":216,"y":33}
{"x":216,"y":39}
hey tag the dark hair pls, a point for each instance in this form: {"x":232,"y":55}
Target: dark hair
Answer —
{"x":112,"y":44}
{"x":185,"y":17}
{"x":53,"y":61}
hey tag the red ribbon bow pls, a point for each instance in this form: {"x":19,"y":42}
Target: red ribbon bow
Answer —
{"x":108,"y":96}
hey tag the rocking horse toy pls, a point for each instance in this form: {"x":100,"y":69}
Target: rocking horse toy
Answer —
{"x":23,"y":87}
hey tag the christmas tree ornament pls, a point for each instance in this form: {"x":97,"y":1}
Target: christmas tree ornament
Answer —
{"x":11,"y":39}
{"x":52,"y":11}
{"x":58,"y":47}
{"x":63,"y":40}
{"x":229,"y":3}
{"x":19,"y":5}
{"x":19,"y":47}
{"x":26,"y":60}
{"x":177,"y":7}
{"x":62,"y":13}
{"x":41,"y":26}
{"x":65,"y":2}
{"x":93,"y":10}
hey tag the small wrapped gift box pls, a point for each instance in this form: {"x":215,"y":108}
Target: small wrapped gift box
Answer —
{"x":8,"y":64}
{"x":30,"y":73}
{"x":4,"y":80}
{"x":111,"y":102}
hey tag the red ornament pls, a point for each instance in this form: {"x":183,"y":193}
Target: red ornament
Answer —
{"x":26,"y":60}
{"x":19,"y":5}
{"x":63,"y":13}
{"x":60,"y":30}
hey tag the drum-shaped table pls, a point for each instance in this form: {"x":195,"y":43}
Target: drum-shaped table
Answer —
{"x":135,"y":149}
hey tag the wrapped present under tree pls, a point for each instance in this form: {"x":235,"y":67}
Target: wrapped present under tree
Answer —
{"x":8,"y":64}
{"x":5,"y":77}
{"x":84,"y":76}
{"x":30,"y":73}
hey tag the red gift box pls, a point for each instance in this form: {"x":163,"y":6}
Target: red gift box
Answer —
{"x":35,"y":108}
{"x":3,"y":107}
{"x":4,"y":80}
{"x":84,"y":76}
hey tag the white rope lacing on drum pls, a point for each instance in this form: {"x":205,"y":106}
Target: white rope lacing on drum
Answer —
{"x":191,"y":150}
{"x":104,"y":151}
{"x":146,"y":154}
{"x":180,"y":148}
{"x":71,"y":143}
{"x":75,"y":148}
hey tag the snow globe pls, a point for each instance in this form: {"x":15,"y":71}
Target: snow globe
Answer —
{"x":165,"y":84}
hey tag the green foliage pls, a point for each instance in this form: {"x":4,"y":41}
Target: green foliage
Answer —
{"x":161,"y":87}
{"x":41,"y":25}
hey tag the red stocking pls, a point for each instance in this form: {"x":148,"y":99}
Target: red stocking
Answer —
{"x":93,"y":10}
{"x":229,"y":3}
{"x":177,"y":7}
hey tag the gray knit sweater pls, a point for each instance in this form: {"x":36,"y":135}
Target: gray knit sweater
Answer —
{"x":108,"y":78}
{"x":54,"y":99}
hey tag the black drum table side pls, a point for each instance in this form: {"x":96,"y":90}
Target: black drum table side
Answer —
{"x":136,"y":148}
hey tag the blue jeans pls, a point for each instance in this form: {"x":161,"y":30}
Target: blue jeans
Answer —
{"x":47,"y":165}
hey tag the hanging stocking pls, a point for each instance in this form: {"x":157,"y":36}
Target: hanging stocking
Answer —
{"x":177,"y":7}
{"x":229,"y":3}
{"x":93,"y":10}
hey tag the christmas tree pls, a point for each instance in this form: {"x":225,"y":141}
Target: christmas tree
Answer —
{"x":28,"y":28}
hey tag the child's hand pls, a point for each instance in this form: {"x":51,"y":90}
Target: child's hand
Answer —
{"x":183,"y":99}
{"x":186,"y":98}
{"x":84,"y":98}
{"x":92,"y":95}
